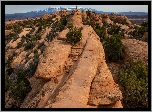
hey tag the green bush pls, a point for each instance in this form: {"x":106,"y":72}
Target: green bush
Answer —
{"x":29,"y":45}
{"x":7,"y":82}
{"x":70,"y":25}
{"x":63,"y":20}
{"x":32,"y":65}
{"x":9,"y":61}
{"x":21,"y":87}
{"x":74,"y":36}
{"x":139,"y":32}
{"x":114,"y":29}
{"x":100,"y":31}
{"x":114,"y":49}
{"x":133,"y":80}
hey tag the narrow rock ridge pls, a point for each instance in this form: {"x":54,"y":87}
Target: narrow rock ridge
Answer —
{"x":74,"y":76}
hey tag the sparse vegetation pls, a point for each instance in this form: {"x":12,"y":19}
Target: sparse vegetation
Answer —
{"x":114,"y":29}
{"x":74,"y":36}
{"x":29,"y":45}
{"x":133,"y":80}
{"x":113,"y":47}
{"x":101,"y":32}
{"x":32,"y":65}
{"x":21,"y":87}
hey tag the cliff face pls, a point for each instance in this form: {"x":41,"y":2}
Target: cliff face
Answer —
{"x":74,"y":76}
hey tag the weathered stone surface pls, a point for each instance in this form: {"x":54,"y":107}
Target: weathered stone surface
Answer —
{"x":19,"y":59}
{"x":77,"y":87}
{"x":62,"y":35}
{"x":135,"y":50}
{"x":46,"y":16}
{"x":52,"y":60}
{"x":84,"y":15}
{"x":104,"y":91}
{"x":36,"y":85}
{"x":75,"y":18}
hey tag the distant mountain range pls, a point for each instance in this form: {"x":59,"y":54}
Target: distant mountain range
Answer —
{"x":33,"y":14}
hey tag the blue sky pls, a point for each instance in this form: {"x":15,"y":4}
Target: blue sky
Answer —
{"x":10,"y":9}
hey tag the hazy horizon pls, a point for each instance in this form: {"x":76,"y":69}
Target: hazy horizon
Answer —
{"x":11,"y":9}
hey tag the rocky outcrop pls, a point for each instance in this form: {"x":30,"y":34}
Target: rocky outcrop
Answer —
{"x":135,"y":50}
{"x":75,"y":18}
{"x":106,"y":18}
{"x":52,"y":60}
{"x":75,"y":92}
{"x":46,"y":16}
{"x":96,"y":18}
{"x":104,"y":91}
{"x":64,"y":12}
{"x":120,"y":18}
{"x":69,"y":76}
{"x":84,"y":15}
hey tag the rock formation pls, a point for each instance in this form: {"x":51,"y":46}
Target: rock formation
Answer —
{"x":75,"y":18}
{"x":67,"y":86}
{"x":73,"y":76}
{"x":84,"y":16}
{"x":46,"y":16}
{"x":136,"y":50}
{"x":119,"y":18}
{"x":106,"y":18}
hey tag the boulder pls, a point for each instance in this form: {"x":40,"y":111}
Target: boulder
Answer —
{"x":52,"y":61}
{"x":62,"y":34}
{"x":135,"y":50}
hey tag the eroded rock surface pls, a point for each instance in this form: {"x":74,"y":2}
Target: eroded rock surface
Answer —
{"x":52,"y":60}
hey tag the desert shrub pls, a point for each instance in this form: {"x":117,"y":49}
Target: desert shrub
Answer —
{"x":52,"y":34}
{"x":123,"y":22}
{"x":39,"y":29}
{"x":9,"y":37}
{"x":91,"y":23}
{"x":144,"y":24}
{"x":70,"y":25}
{"x":38,"y":37}
{"x":105,"y":24}
{"x":41,"y":47}
{"x":32,"y":30}
{"x":133,"y":79}
{"x":29,"y":45}
{"x":59,"y":27}
{"x":114,"y":29}
{"x":15,"y":37}
{"x":35,"y":51}
{"x":20,"y":44}
{"x":7,"y":82}
{"x":139,"y":32}
{"x":63,"y":20}
{"x":74,"y":36}
{"x":21,"y":87}
{"x":8,"y":27}
{"x":17,"y":29}
{"x":114,"y":49}
{"x":33,"y":65}
{"x":100,"y":31}
{"x":9,"y":61}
